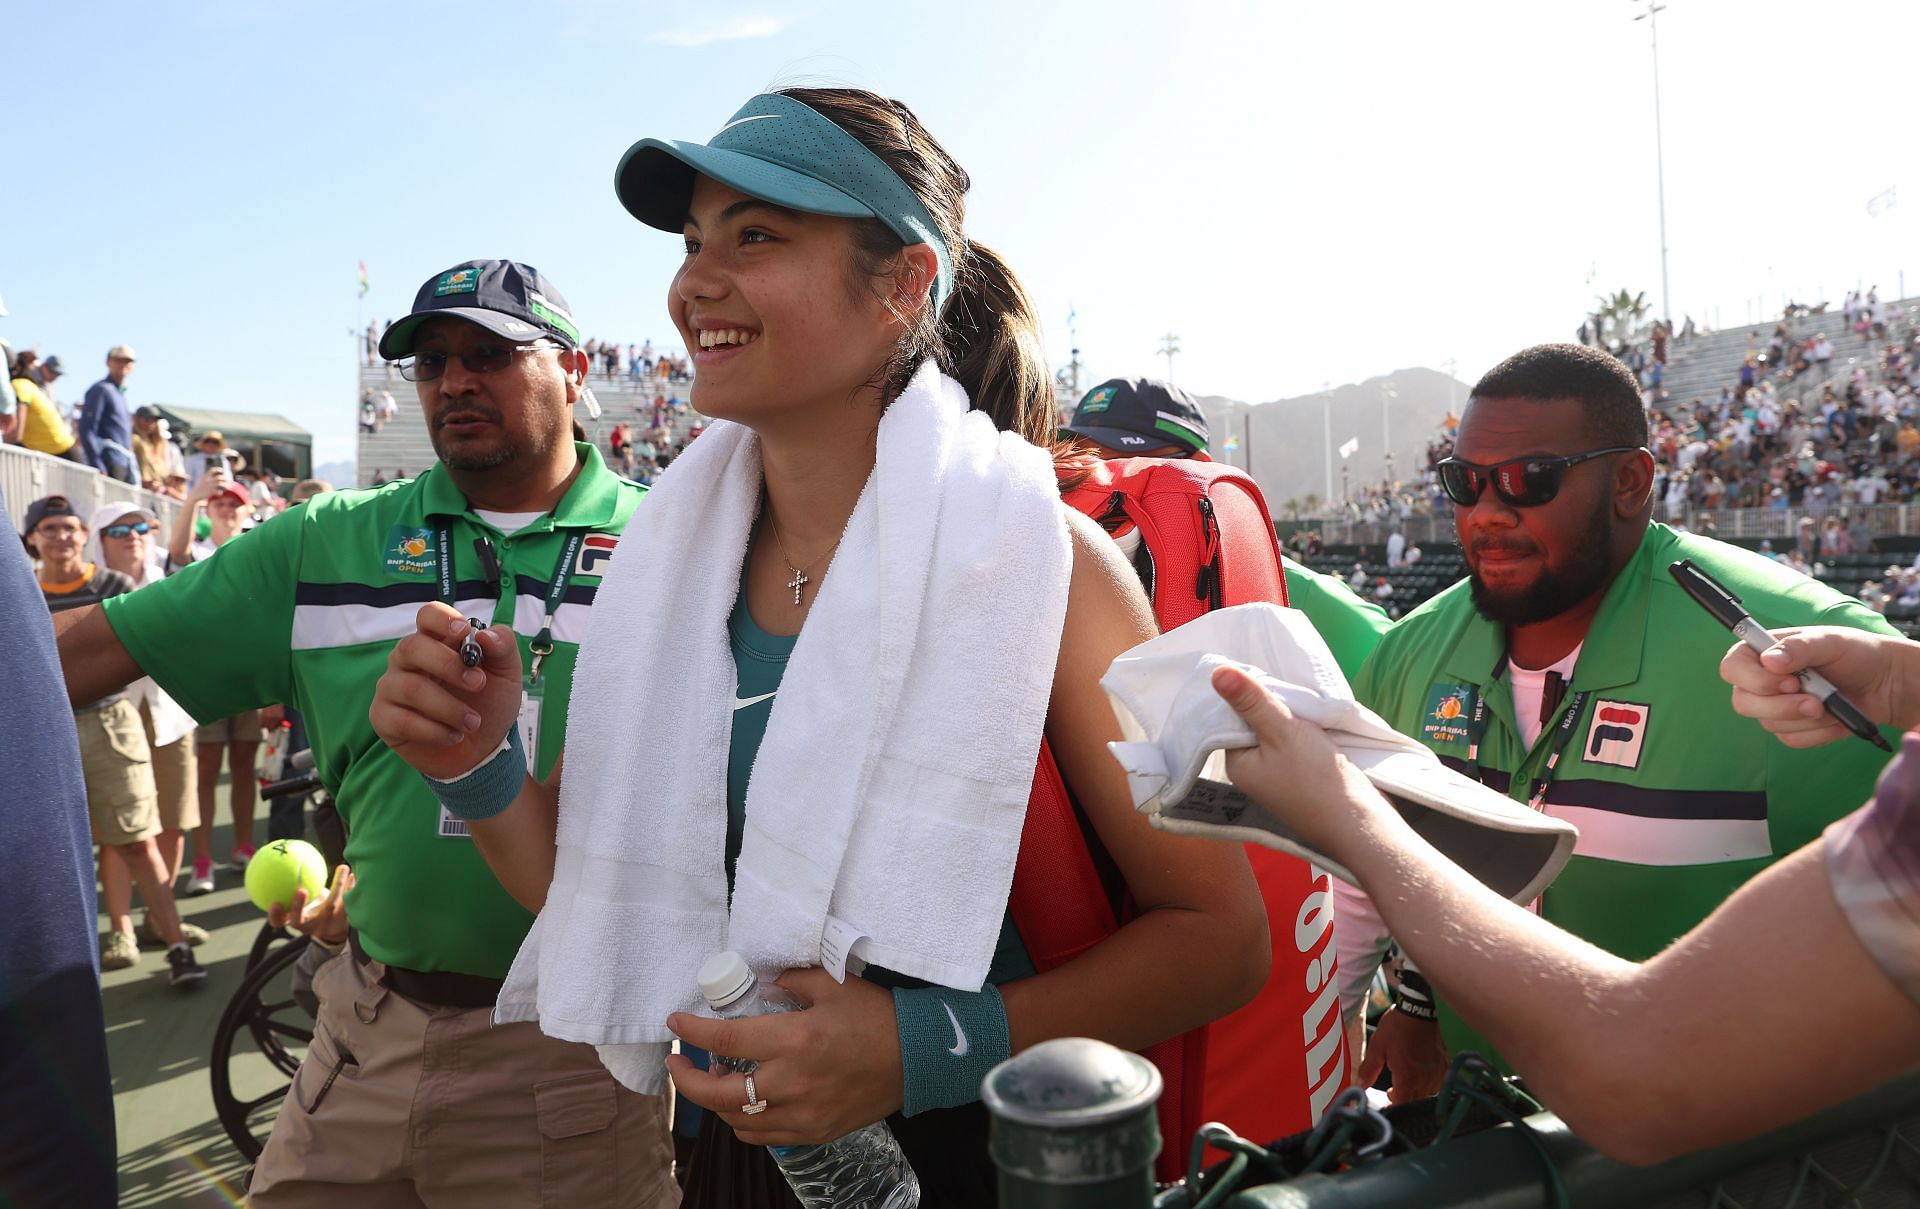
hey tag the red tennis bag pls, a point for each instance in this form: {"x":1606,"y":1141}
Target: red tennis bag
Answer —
{"x":1269,"y":1069}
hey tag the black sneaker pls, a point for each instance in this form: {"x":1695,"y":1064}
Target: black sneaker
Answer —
{"x":182,"y":969}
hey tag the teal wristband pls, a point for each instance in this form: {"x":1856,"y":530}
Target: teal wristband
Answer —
{"x":488,"y":789}
{"x":949,"y":1040}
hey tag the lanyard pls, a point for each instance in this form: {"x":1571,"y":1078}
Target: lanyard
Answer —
{"x":1562,"y":734}
{"x":542,"y":643}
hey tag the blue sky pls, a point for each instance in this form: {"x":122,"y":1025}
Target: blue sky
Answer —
{"x":1304,"y":193}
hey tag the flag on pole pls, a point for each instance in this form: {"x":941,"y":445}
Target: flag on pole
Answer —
{"x":363,"y":279}
{"x":1350,"y":448}
{"x":1883,"y":202}
{"x":1232,"y":444}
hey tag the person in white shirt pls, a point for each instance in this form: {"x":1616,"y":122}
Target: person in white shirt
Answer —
{"x":123,"y":536}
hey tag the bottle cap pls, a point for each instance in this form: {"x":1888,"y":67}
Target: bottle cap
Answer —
{"x":724,"y":978}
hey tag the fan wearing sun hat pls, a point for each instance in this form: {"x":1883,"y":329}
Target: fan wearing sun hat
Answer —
{"x":125,"y":537}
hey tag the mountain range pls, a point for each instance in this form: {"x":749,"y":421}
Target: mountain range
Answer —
{"x":1284,"y":444}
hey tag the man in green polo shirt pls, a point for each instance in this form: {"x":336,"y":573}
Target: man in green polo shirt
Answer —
{"x":408,"y":1087}
{"x":1571,"y":672}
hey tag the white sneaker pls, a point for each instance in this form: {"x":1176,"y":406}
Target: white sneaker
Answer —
{"x":202,"y":880}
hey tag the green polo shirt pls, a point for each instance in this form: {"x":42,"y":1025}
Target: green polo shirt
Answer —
{"x":304,"y":610}
{"x":1678,"y":799}
{"x":1351,"y":626}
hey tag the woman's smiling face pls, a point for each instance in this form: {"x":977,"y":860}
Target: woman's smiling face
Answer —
{"x":772,"y":308}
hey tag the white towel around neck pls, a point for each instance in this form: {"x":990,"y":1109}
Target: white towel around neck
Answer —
{"x":891,"y":786}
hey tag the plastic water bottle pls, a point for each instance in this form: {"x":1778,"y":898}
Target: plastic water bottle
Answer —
{"x":273,"y":760}
{"x":863,"y":1170}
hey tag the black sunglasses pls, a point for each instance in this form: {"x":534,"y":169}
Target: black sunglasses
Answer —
{"x":1521,"y":483}
{"x":480,"y":359}
{"x":127,"y":530}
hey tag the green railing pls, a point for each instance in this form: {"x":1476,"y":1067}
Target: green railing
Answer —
{"x":1477,"y":1146}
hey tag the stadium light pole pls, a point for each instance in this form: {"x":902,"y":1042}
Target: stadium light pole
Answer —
{"x":1387,"y":395}
{"x":1326,"y":412}
{"x":1652,"y":19}
{"x":1169,"y":348}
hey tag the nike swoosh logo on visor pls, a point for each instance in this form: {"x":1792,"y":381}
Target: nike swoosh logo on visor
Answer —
{"x":961,"y":1045}
{"x":740,"y":703}
{"x":758,"y":117}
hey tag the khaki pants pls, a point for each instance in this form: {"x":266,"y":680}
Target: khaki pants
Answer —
{"x":399,"y":1104}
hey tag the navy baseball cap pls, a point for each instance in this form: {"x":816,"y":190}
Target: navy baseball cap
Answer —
{"x":509,"y":299}
{"x":1131,"y":414}
{"x":50,"y":505}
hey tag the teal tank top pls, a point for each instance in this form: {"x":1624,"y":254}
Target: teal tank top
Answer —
{"x":759,"y":661}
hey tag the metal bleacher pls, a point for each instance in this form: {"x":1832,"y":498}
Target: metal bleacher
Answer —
{"x":1699,"y":367}
{"x":1439,"y":567}
{"x":403,"y":445}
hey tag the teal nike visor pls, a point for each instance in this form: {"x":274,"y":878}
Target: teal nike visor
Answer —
{"x":781,"y":151}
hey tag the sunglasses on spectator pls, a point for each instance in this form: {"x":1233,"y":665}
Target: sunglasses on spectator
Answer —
{"x":1520,"y":483}
{"x":480,"y":359}
{"x":127,"y":530}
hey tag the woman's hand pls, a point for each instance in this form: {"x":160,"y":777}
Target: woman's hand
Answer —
{"x":1874,"y":671}
{"x":215,"y":479}
{"x":1295,"y":774}
{"x":823,"y":1073}
{"x":325,"y":918}
{"x":439,"y":715}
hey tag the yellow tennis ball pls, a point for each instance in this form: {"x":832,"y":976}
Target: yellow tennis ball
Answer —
{"x":281,"y":867}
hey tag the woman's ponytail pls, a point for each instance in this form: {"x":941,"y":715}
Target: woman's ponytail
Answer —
{"x":986,"y":336}
{"x":989,"y":341}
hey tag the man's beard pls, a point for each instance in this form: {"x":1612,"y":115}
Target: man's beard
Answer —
{"x":488,"y":460}
{"x":481,"y":459}
{"x":1556,"y":590}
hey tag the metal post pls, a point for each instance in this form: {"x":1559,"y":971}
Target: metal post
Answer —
{"x":1387,"y":395}
{"x":1659,"y":154}
{"x":1326,"y":411}
{"x":1073,"y":1126}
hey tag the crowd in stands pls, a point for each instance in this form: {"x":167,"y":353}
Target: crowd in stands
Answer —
{"x":609,"y":359}
{"x":1765,"y":442}
{"x":97,"y":431}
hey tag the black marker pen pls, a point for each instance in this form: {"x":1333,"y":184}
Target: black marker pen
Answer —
{"x":1711,"y":595}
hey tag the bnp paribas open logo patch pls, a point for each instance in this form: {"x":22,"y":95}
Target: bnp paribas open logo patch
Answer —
{"x":410,"y":552}
{"x":1448,"y":720}
{"x":457,"y":281}
{"x":1098,"y":401}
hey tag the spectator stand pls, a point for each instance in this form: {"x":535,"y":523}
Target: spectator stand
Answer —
{"x":403,"y":444}
{"x":26,"y":476}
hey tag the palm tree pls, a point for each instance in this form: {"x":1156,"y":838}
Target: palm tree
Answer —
{"x":1619,"y":315}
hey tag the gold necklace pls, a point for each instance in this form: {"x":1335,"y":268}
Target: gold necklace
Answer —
{"x":800,"y":577}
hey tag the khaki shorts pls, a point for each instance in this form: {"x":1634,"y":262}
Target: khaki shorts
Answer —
{"x":119,"y":773}
{"x":401,"y":1105}
{"x":243,"y":727}
{"x":174,"y":767}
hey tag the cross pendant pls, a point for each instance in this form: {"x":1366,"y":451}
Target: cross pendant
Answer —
{"x":799,"y":578}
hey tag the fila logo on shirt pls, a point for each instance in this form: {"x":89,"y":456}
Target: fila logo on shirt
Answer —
{"x":595,"y":550}
{"x":1616,"y":734}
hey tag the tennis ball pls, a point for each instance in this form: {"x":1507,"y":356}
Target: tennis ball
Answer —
{"x":281,"y":867}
